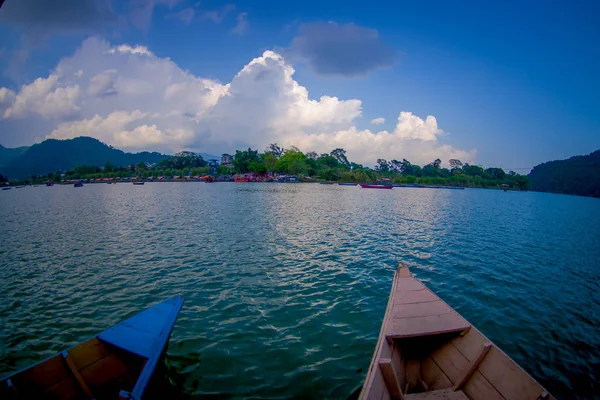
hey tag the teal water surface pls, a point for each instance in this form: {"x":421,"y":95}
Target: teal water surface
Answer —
{"x":285,"y":285}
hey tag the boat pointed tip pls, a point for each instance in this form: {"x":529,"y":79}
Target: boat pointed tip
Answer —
{"x":403,"y":270}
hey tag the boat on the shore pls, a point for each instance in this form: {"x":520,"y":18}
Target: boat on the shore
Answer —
{"x":326,"y":183}
{"x":376,"y":186}
{"x":78,"y":184}
{"x":240,"y":180}
{"x":138,"y":183}
{"x":6,"y":188}
{"x":346,"y":184}
{"x":426,"y":350}
{"x":116,"y":364}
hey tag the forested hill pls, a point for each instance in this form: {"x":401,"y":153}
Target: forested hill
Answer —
{"x":53,"y":155}
{"x":578,"y":175}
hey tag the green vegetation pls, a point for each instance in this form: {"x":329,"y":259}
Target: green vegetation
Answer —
{"x":333,"y":166}
{"x":65,"y":155}
{"x":578,"y":175}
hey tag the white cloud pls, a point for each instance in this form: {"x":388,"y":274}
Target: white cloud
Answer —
{"x":241,"y":25}
{"x":132,"y":99}
{"x":125,"y":48}
{"x":378,"y":121}
{"x":46,"y":97}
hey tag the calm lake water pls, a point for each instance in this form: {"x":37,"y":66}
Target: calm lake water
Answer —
{"x":285,"y":285}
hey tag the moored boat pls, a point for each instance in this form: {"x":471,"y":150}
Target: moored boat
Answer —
{"x":426,"y":350}
{"x":346,"y":184}
{"x":6,"y":188}
{"x":138,"y":183}
{"x":78,"y":184}
{"x":240,"y":180}
{"x":365,"y":186}
{"x":326,"y":183}
{"x":116,"y":364}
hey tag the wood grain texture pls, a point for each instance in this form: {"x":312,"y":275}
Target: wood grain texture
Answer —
{"x":433,"y":375}
{"x":390,"y":377}
{"x":418,"y":296}
{"x":422,"y":326}
{"x":421,"y":310}
{"x":466,"y":375}
{"x":480,"y":388}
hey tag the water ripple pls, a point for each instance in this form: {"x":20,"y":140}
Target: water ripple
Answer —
{"x":285,"y":285}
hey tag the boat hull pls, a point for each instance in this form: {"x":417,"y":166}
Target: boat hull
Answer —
{"x":426,"y":350}
{"x":118,"y":363}
{"x":376,"y":186}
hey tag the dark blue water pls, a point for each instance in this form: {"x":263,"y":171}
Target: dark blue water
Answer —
{"x":285,"y":285}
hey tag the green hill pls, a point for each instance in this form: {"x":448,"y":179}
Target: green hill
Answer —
{"x":53,"y":155}
{"x":8,"y":154}
{"x":578,"y":175}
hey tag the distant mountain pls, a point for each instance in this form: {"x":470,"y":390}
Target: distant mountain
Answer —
{"x":8,"y":154}
{"x":53,"y":155}
{"x":578,"y":175}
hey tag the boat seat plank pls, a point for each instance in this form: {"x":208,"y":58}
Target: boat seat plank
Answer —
{"x":431,"y":308}
{"x":470,"y":343}
{"x":444,"y":394}
{"x":418,"y":296}
{"x":423,"y":326}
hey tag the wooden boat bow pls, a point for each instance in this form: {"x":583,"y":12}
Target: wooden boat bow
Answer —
{"x":426,"y":350}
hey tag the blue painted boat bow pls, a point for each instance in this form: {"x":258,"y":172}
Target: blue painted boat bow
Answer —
{"x":145,"y":334}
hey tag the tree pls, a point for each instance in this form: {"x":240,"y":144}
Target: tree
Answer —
{"x":312,"y":155}
{"x":293,"y":162}
{"x":242,"y":159}
{"x":382,"y":165}
{"x":454,"y":163}
{"x":437,"y":163}
{"x":270,"y":162}
{"x":340,"y":156}
{"x":275,"y":150}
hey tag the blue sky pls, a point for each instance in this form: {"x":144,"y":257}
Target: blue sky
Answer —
{"x":510,"y":84}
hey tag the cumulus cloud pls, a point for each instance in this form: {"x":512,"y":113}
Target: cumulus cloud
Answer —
{"x":378,"y":121}
{"x":46,"y":97}
{"x":241,"y":24}
{"x":345,"y":50}
{"x":132,"y":99}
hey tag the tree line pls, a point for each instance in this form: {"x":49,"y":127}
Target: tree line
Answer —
{"x":332,"y":166}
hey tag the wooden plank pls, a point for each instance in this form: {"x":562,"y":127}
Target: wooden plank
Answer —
{"x":390,"y":377}
{"x":66,"y":389}
{"x":480,"y":388}
{"x":88,"y":353}
{"x":43,"y":375}
{"x":418,"y":296}
{"x":421,"y":326}
{"x":399,"y":367}
{"x":420,"y":309}
{"x":450,"y":361}
{"x":409,"y":284}
{"x":413,"y":373}
{"x":444,"y":394}
{"x":103,"y":371}
{"x":433,"y":376}
{"x":77,"y":375}
{"x":507,"y":377}
{"x":470,"y":343}
{"x":472,"y":366}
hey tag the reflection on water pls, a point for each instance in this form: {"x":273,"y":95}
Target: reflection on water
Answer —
{"x":285,"y":285}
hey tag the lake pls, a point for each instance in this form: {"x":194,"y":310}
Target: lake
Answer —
{"x":285,"y":285}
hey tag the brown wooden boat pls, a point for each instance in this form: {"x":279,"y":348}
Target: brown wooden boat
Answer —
{"x":426,"y":350}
